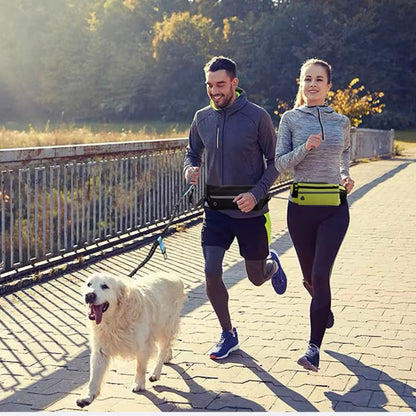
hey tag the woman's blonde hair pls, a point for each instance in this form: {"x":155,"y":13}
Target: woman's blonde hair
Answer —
{"x":312,"y":61}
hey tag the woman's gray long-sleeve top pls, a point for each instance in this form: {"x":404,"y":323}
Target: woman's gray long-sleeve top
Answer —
{"x":328,"y":163}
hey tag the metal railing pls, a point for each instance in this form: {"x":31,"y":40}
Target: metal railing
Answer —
{"x":57,"y":201}
{"x":60,"y":202}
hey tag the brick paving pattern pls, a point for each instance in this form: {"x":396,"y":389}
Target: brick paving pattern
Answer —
{"x":368,"y":359}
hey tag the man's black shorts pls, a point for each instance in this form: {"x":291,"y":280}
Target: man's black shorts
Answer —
{"x":252,"y":234}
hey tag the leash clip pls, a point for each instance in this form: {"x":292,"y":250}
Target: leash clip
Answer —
{"x":162,"y":248}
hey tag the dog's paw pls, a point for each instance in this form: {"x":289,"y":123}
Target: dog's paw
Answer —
{"x":154,"y":378}
{"x":136,"y":387}
{"x":84,"y":402}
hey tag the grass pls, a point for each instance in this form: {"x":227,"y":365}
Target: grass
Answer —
{"x":404,"y":140}
{"x":70,"y":134}
{"x":408,"y":136}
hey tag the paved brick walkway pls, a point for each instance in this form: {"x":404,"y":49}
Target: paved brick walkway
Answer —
{"x":368,"y":360}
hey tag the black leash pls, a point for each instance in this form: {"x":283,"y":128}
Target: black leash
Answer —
{"x":159,"y":240}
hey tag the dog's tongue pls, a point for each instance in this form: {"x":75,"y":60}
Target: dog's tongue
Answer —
{"x":96,"y":313}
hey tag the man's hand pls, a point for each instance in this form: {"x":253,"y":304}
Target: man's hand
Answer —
{"x":192,"y":175}
{"x":245,"y":201}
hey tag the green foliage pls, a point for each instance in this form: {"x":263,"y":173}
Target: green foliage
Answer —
{"x":142,"y":59}
{"x":181,"y":43}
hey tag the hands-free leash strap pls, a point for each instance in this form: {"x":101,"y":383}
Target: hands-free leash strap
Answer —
{"x":159,"y":240}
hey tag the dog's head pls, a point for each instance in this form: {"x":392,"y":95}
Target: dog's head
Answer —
{"x":100,"y":293}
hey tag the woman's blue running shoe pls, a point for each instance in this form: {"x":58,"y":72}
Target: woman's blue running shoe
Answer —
{"x":310,"y":360}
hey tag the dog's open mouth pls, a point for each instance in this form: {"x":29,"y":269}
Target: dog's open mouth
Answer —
{"x":96,"y":312}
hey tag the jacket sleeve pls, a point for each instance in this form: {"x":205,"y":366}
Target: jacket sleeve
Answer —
{"x":287,"y":157}
{"x":267,"y":142}
{"x":195,"y":147}
{"x":346,"y":154}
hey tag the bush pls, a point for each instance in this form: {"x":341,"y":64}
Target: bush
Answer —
{"x":355,"y":102}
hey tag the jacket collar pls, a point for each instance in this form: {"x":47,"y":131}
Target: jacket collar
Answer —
{"x":238,"y":103}
{"x":314,"y":109}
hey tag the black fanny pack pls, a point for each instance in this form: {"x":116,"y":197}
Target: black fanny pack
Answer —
{"x":221,"y":196}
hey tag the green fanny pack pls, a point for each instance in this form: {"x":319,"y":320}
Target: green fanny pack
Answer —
{"x":312,"y":193}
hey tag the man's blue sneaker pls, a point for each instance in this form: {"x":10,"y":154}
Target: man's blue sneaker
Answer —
{"x":227,"y":343}
{"x":279,"y":280}
{"x":310,"y":361}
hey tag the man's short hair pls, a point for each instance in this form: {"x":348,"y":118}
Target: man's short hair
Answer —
{"x":221,"y":62}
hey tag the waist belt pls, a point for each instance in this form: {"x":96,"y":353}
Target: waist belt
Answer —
{"x":312,"y":193}
{"x":221,"y":196}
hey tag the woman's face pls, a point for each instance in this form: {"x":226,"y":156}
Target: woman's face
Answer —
{"x":315,"y":85}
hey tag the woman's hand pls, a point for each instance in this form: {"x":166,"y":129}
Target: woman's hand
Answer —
{"x":314,"y":141}
{"x":348,"y":184}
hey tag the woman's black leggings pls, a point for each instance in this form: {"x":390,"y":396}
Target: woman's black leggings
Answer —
{"x":317,"y":233}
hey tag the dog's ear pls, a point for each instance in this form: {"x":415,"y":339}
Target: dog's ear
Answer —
{"x":121,"y":292}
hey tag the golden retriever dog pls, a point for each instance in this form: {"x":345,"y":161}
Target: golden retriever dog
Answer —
{"x":133,"y":319}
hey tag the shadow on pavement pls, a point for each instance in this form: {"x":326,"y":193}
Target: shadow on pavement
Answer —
{"x":369,"y":379}
{"x":205,"y":400}
{"x":293,"y":399}
{"x":361,"y":191}
{"x":47,"y":322}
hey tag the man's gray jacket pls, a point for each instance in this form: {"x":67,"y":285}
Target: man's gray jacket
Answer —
{"x":239,"y":143}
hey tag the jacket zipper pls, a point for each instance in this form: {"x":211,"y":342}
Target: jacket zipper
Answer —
{"x":322,"y":126}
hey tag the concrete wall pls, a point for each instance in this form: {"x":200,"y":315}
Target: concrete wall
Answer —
{"x":368,"y":143}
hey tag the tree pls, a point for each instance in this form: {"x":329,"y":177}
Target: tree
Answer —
{"x":143,"y":59}
{"x":182,"y":43}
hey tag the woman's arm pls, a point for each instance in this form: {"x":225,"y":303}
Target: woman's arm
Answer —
{"x":286,"y":156}
{"x":346,"y":180}
{"x":346,"y":153}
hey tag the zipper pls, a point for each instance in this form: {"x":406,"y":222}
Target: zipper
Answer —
{"x":322,"y":126}
{"x":218,"y":135}
{"x":323,"y":186}
{"x":326,"y":188}
{"x":223,"y":196}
